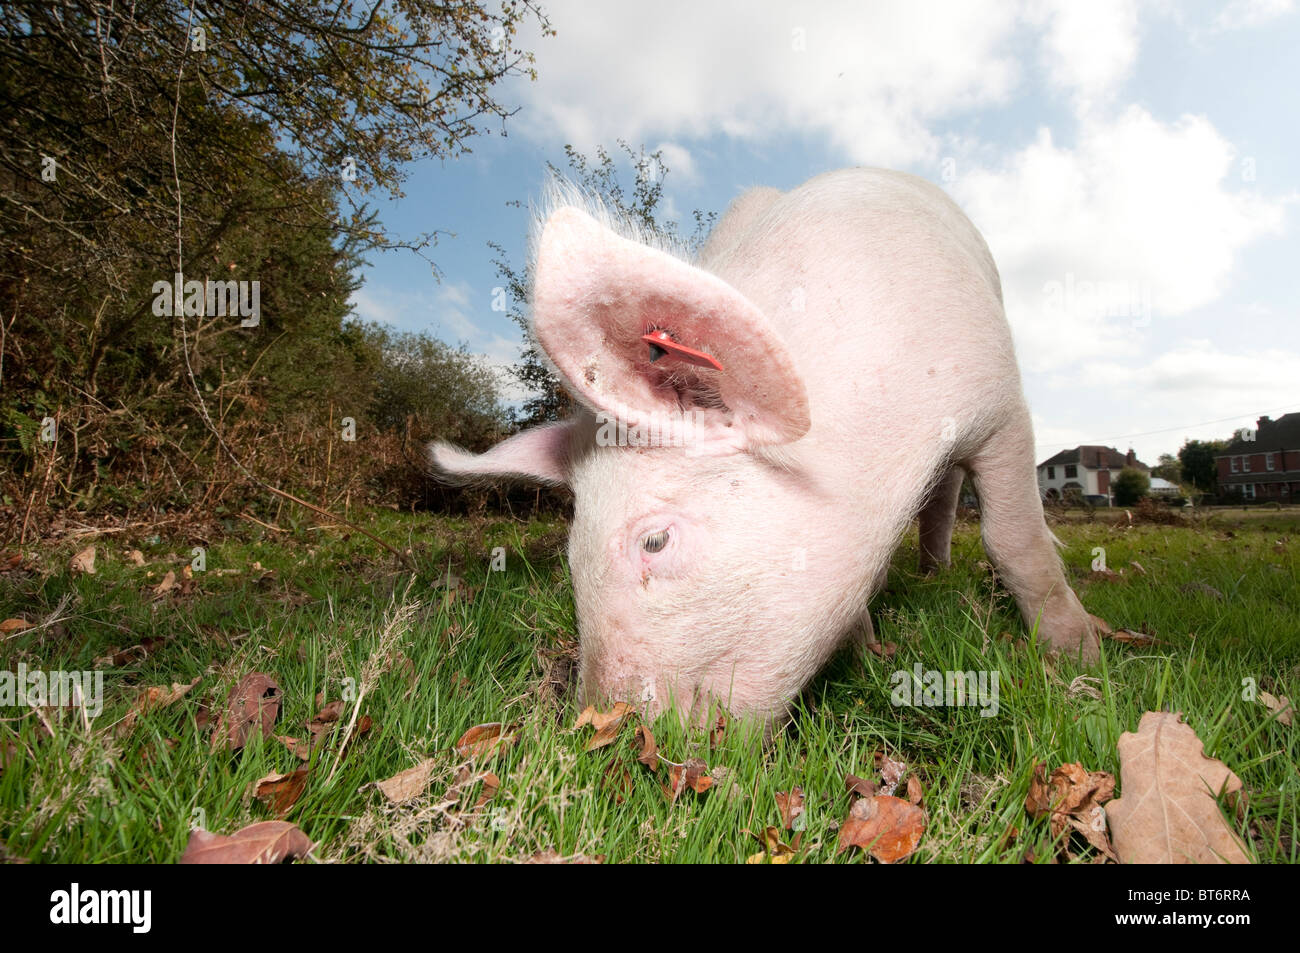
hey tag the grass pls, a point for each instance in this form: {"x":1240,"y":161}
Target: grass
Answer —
{"x":315,"y":608}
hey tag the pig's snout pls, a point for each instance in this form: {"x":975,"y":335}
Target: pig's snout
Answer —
{"x":614,"y":679}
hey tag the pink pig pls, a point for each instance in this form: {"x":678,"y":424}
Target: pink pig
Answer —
{"x":732,"y":524}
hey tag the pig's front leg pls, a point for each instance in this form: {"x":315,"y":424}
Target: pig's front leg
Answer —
{"x":1020,"y":545}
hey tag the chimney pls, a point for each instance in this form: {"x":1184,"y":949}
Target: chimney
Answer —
{"x":1262,"y":423}
{"x":1130,"y":458}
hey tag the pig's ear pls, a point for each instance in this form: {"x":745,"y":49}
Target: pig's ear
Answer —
{"x":539,"y":454}
{"x":596,"y":295}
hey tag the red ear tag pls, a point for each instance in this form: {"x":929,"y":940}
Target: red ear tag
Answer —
{"x":660,"y":344}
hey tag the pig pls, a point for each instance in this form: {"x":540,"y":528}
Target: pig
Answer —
{"x":759,"y":427}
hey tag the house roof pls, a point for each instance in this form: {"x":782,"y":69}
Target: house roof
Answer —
{"x":1159,"y":484}
{"x":1280,"y":434}
{"x":1092,"y":457}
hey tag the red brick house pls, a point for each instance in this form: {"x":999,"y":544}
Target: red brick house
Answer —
{"x":1265,"y":464}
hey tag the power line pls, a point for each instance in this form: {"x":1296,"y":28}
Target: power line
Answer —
{"x":1148,"y":433}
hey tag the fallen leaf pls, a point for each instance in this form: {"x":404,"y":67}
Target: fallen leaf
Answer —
{"x":616,"y":780}
{"x":1073,"y":798}
{"x":859,"y":787}
{"x":1138,"y":568}
{"x":280,"y":792}
{"x":719,"y":729}
{"x":153,"y":697}
{"x":491,"y":784}
{"x":487,"y":739}
{"x":14,"y":625}
{"x":693,"y":774}
{"x":891,"y":772}
{"x":267,"y":842}
{"x":606,"y":723}
{"x":1168,"y":813}
{"x":647,"y":750}
{"x":887,"y":827}
{"x":1280,"y":705}
{"x":135,"y":557}
{"x":408,"y":784}
{"x":1129,"y":637}
{"x":552,"y":856}
{"x":167,"y":585}
{"x":914,"y":790}
{"x":885,"y":650}
{"x":255,"y":701}
{"x":773,"y":851}
{"x":84,"y":561}
{"x":791,"y":808}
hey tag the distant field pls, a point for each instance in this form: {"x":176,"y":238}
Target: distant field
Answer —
{"x":309,"y":607}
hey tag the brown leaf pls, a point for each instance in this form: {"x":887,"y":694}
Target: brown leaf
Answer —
{"x":773,"y":851}
{"x":491,"y":784}
{"x":859,"y":787}
{"x":891,"y":772}
{"x":791,"y":806}
{"x":1129,"y":637}
{"x":153,"y":697}
{"x":887,"y":827}
{"x":693,"y":774}
{"x":253,"y":704}
{"x":616,"y":780}
{"x":135,"y":557}
{"x":719,"y":729}
{"x":280,"y":792}
{"x":1168,"y":813}
{"x":486,"y":740}
{"x":1072,"y":798}
{"x":408,"y":784}
{"x":267,"y":842}
{"x":606,"y":723}
{"x":84,"y":561}
{"x":1280,"y":705}
{"x":647,"y":750}
{"x":885,"y":650}
{"x":167,"y":585}
{"x":914,"y":790}
{"x":14,"y":625}
{"x":552,"y":856}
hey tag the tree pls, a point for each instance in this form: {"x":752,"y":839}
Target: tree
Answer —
{"x":230,"y":141}
{"x":1130,"y":486}
{"x":600,"y":179}
{"x":1196,"y":460}
{"x":1168,"y":468}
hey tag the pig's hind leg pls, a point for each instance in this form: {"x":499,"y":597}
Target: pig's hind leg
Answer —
{"x":937,"y":517}
{"x":1021,"y":546}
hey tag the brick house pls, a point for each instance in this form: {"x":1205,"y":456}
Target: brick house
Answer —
{"x":1084,"y":471}
{"x":1265,"y":464}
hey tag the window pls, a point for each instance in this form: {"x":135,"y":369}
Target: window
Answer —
{"x":1245,"y":464}
{"x":1268,"y":461}
{"x":1071,"y":471}
{"x":1232,"y":462}
{"x":1249,"y":490}
{"x":1051,"y":473}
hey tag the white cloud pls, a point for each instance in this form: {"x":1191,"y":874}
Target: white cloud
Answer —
{"x":1147,"y":209}
{"x":1088,"y":48}
{"x":1244,"y":14}
{"x":868,"y":77}
{"x":679,"y":162}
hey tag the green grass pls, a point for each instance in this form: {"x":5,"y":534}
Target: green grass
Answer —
{"x":502,"y":649}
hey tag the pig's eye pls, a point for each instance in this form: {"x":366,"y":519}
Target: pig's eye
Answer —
{"x":655,"y":541}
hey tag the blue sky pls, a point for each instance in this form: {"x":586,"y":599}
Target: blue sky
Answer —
{"x":1133,"y":166}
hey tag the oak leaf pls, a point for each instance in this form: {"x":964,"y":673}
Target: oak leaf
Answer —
{"x":1167,"y":813}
